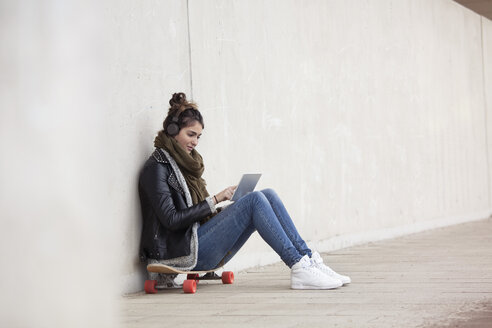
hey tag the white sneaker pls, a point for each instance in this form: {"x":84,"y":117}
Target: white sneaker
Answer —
{"x":304,"y":275}
{"x":318,"y":263}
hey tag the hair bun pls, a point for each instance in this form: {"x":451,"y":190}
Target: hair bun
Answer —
{"x":177,"y":99}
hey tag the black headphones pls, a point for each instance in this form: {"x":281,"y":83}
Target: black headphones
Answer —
{"x":173,"y":127}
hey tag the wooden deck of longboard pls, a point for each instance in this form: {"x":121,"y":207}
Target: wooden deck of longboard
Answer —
{"x":162,"y":268}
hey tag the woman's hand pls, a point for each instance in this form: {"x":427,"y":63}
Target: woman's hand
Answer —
{"x":225,"y":194}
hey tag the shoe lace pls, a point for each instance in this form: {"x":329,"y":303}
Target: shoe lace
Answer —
{"x":313,"y":268}
{"x":325,"y":268}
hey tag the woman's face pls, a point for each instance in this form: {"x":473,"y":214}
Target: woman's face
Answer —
{"x":188,"y":136}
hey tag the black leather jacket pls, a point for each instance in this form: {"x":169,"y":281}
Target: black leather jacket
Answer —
{"x":167,"y":220}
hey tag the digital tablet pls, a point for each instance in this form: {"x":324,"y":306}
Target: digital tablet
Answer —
{"x":246,"y":185}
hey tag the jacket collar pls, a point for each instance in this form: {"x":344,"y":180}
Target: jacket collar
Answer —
{"x":159,"y":156}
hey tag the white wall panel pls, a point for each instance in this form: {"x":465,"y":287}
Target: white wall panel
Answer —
{"x":57,"y":236}
{"x":487,"y":75}
{"x":364,"y":116}
{"x":149,"y":60}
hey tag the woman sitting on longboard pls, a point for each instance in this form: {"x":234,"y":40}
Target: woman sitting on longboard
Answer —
{"x":181,"y":226}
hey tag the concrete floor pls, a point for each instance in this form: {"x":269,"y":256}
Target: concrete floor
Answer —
{"x":439,"y":278}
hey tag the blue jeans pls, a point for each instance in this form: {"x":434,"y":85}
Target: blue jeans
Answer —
{"x":220,"y":238}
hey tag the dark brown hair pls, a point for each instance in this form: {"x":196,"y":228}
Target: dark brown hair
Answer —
{"x":181,"y":113}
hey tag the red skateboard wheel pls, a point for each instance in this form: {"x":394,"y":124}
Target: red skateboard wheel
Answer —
{"x":149,"y":286}
{"x":227,"y":277}
{"x":189,"y":286}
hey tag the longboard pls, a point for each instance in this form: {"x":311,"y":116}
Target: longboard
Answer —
{"x":190,"y":284}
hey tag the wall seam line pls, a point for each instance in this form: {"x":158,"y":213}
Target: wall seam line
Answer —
{"x":189,"y":46}
{"x":485,"y":112}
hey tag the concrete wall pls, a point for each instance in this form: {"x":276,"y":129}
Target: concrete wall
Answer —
{"x":373,"y":111}
{"x":149,"y":60}
{"x":368,"y":118}
{"x":57,"y":240}
{"x":487,"y":76}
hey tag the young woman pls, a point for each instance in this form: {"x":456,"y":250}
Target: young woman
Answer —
{"x":181,"y":224}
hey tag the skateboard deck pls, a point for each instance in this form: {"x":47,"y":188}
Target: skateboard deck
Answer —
{"x":190,"y":284}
